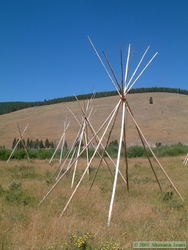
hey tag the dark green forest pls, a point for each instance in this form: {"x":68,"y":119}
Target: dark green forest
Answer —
{"x":8,"y":107}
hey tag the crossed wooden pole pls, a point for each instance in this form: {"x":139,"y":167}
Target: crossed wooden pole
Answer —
{"x":20,"y":140}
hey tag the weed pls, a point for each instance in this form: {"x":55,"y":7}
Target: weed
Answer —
{"x":174,"y":204}
{"x":49,"y":179}
{"x":109,"y":246}
{"x":1,"y":190}
{"x":23,"y":172}
{"x":81,"y":242}
{"x":168,"y":196}
{"x":15,"y":186}
{"x":15,"y":194}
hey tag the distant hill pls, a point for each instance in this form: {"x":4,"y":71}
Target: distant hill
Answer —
{"x":164,"y":121}
{"x":8,"y":107}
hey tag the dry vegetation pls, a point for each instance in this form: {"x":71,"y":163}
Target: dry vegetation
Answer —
{"x":143,"y":214}
{"x":163,"y":121}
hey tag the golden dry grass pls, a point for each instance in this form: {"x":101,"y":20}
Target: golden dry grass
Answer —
{"x":141,"y":215}
{"x":163,"y":121}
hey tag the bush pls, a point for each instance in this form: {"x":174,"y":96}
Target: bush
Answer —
{"x":135,"y":151}
{"x":4,"y":154}
{"x":15,"y":194}
{"x":173,"y":150}
{"x":1,"y":190}
{"x":81,"y":241}
{"x":90,"y":153}
{"x":19,"y":154}
{"x":43,"y":154}
{"x":24,"y":172}
{"x":132,"y":152}
{"x":112,"y":151}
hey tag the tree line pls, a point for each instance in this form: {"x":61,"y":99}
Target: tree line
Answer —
{"x":32,"y":144}
{"x":8,"y":107}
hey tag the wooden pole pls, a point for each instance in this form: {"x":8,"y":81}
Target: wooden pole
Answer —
{"x":90,"y":161}
{"x":105,"y":151}
{"x":87,"y":112}
{"x":155,"y":156}
{"x":127,"y":69}
{"x":125,"y":156}
{"x":104,"y":148}
{"x":122,"y":71}
{"x":78,"y":153}
{"x":23,"y":142}
{"x":140,"y":73}
{"x":115,"y":77}
{"x":117,"y":164}
{"x":185,"y":160}
{"x":61,"y":139}
{"x":17,"y":143}
{"x":109,"y":118}
{"x":72,"y":149}
{"x":104,"y":66}
{"x":142,"y":140}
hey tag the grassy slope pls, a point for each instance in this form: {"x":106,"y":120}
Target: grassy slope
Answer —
{"x":164,"y":121}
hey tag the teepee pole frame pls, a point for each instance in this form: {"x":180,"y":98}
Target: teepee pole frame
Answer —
{"x":107,"y":121}
{"x":123,"y":91}
{"x":62,"y":139}
{"x":20,"y":139}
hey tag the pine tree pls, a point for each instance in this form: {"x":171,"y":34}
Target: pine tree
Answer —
{"x":41,"y":145}
{"x":14,"y":142}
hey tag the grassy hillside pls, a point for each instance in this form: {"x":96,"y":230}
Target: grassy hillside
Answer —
{"x":164,"y":121}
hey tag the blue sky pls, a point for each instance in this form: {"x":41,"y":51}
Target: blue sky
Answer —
{"x":45,"y":52}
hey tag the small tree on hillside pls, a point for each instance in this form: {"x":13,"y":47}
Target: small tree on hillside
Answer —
{"x":151,"y":100}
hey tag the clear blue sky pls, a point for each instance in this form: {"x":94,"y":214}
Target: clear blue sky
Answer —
{"x":45,"y":52}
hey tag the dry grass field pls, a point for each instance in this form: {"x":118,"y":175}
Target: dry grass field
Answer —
{"x":164,"y":121}
{"x":143,"y":214}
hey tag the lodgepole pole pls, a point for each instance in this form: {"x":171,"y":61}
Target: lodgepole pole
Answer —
{"x":96,"y":149}
{"x":117,"y":164}
{"x":17,"y":143}
{"x":156,"y":157}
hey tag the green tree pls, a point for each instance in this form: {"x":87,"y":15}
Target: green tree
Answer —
{"x":47,"y":143}
{"x":41,"y":145}
{"x":36,"y":144}
{"x":14,"y":142}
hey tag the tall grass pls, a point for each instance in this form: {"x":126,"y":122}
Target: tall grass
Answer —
{"x":144,"y":213}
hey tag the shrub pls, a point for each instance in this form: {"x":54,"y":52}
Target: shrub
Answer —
{"x":173,"y":203}
{"x":173,"y":150}
{"x":112,"y":151}
{"x":23,"y":172}
{"x":16,"y":195}
{"x":135,"y":151}
{"x":132,"y":152}
{"x":1,"y":190}
{"x":43,"y":154}
{"x":81,"y":241}
{"x":4,"y":154}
